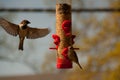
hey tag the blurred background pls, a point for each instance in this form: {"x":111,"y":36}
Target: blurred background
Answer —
{"x":97,"y":36}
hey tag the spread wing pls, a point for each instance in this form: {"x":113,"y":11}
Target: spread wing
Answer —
{"x":34,"y":33}
{"x":9,"y":27}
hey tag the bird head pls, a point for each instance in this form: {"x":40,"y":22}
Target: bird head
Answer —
{"x":24,"y":23}
{"x":70,"y":47}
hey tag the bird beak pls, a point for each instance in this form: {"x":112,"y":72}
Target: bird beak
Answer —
{"x":28,"y":22}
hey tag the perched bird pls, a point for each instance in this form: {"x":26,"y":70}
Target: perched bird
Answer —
{"x":23,"y":30}
{"x":73,"y":56}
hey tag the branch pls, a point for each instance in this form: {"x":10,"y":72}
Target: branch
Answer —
{"x":53,"y":10}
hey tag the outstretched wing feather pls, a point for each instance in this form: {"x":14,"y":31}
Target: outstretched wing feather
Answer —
{"x":34,"y":33}
{"x":9,"y":27}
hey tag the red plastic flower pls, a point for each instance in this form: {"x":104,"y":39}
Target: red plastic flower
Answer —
{"x":66,"y":26}
{"x":56,"y":40}
{"x":65,"y":52}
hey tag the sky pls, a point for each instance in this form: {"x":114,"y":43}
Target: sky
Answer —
{"x":35,"y":50}
{"x":22,"y":4}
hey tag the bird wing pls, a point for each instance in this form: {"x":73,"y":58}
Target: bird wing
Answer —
{"x":9,"y":27}
{"x":73,"y":56}
{"x":34,"y":33}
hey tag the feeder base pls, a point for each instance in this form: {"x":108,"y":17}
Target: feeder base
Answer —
{"x":63,"y":63}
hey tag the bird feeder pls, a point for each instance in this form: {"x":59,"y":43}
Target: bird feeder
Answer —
{"x":63,"y":37}
{"x":63,"y":31}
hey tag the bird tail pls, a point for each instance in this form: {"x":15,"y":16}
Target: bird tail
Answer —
{"x":80,"y":66}
{"x":21,"y":44}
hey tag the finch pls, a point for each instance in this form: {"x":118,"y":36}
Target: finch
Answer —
{"x":73,"y":56}
{"x":23,"y":30}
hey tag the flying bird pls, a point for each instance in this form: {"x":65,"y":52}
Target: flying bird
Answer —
{"x":73,"y":56}
{"x":23,"y":30}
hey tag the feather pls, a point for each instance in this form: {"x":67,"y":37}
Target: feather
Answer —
{"x":34,"y":33}
{"x":9,"y":27}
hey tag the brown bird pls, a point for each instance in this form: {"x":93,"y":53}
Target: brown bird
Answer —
{"x":73,"y":56}
{"x":23,"y":30}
